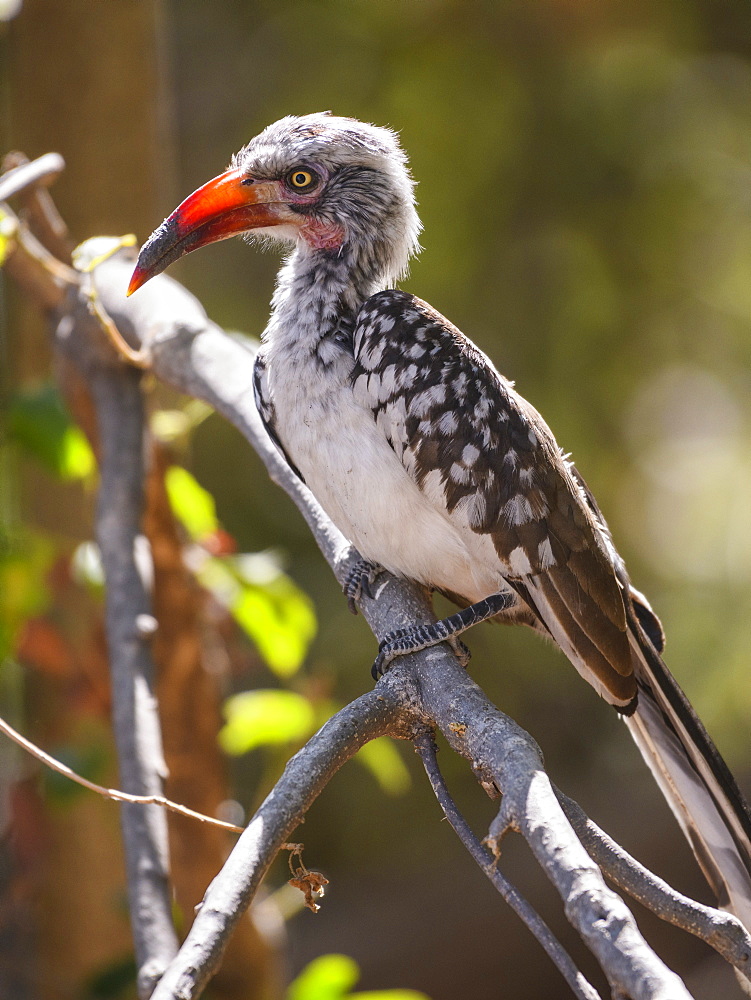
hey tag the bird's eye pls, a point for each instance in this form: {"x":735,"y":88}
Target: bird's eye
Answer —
{"x":302,"y":180}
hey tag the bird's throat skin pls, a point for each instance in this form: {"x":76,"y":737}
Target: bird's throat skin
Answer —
{"x":320,"y":234}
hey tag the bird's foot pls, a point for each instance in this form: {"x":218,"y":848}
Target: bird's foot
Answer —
{"x":417,"y":637}
{"x":359,"y":580}
{"x":461,"y":652}
{"x":402,"y":641}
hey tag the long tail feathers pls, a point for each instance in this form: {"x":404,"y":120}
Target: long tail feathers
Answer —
{"x":693,"y":777}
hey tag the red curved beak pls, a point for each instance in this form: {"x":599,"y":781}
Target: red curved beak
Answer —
{"x":229,"y":204}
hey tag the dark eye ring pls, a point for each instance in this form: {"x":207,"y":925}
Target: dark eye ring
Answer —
{"x":302,"y":179}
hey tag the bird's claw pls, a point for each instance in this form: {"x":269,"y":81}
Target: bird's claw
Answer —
{"x":402,"y":641}
{"x":359,"y":581}
{"x":389,"y":648}
{"x":461,"y":652}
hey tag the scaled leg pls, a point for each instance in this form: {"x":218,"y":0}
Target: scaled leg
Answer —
{"x":359,"y":580}
{"x":416,"y":637}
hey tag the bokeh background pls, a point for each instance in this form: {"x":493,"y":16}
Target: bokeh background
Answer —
{"x":584,"y":172}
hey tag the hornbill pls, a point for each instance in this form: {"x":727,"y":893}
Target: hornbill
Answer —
{"x":429,"y":462}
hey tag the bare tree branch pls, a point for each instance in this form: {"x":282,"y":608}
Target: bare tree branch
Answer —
{"x":120,"y":416}
{"x":39,"y":209}
{"x":116,"y":392}
{"x":721,"y":930}
{"x":20,"y":174}
{"x":580,"y":987}
{"x":505,"y":755}
{"x":169,"y":328}
{"x":304,"y":778}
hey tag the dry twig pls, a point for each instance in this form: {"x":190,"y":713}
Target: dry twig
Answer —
{"x":111,"y":793}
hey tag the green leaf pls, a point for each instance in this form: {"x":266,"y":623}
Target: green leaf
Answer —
{"x":191,"y":503}
{"x":76,"y":456}
{"x":7,"y":222}
{"x":172,"y":425}
{"x":384,"y":762}
{"x":116,"y":981}
{"x":268,"y":606}
{"x":329,"y":977}
{"x":279,"y":618}
{"x":265,"y":718}
{"x":39,"y":423}
{"x":24,"y":566}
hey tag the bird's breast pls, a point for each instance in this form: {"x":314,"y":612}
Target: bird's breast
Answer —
{"x":349,"y":466}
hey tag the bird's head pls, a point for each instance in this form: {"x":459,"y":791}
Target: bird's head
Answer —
{"x":327,"y":184}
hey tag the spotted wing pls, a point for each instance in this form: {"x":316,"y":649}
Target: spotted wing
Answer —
{"x":480,"y":451}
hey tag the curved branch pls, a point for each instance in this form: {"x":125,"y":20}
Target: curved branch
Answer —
{"x":720,"y":930}
{"x":580,"y":986}
{"x":304,"y":778}
{"x":28,"y":174}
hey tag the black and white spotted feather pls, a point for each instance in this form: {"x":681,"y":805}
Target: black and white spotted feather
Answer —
{"x":485,"y":457}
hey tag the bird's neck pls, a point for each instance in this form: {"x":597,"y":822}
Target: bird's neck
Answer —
{"x":316,"y":293}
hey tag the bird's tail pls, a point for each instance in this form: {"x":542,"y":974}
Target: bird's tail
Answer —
{"x":694,"y":778}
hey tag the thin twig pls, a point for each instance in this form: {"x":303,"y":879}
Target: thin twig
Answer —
{"x":720,"y":930}
{"x":139,"y":359}
{"x":580,"y":986}
{"x":44,"y":278}
{"x":111,"y":793}
{"x":43,"y":170}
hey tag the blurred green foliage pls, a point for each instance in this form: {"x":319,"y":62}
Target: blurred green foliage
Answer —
{"x":191,"y":504}
{"x":383,"y":761}
{"x":40,"y":425}
{"x":263,"y":600}
{"x":261,"y":718}
{"x":271,"y":609}
{"x":275,"y":717}
{"x":279,"y":618}
{"x":7,"y":227}
{"x":116,"y":982}
{"x":331,"y":977}
{"x":37,"y":427}
{"x":24,"y":564}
